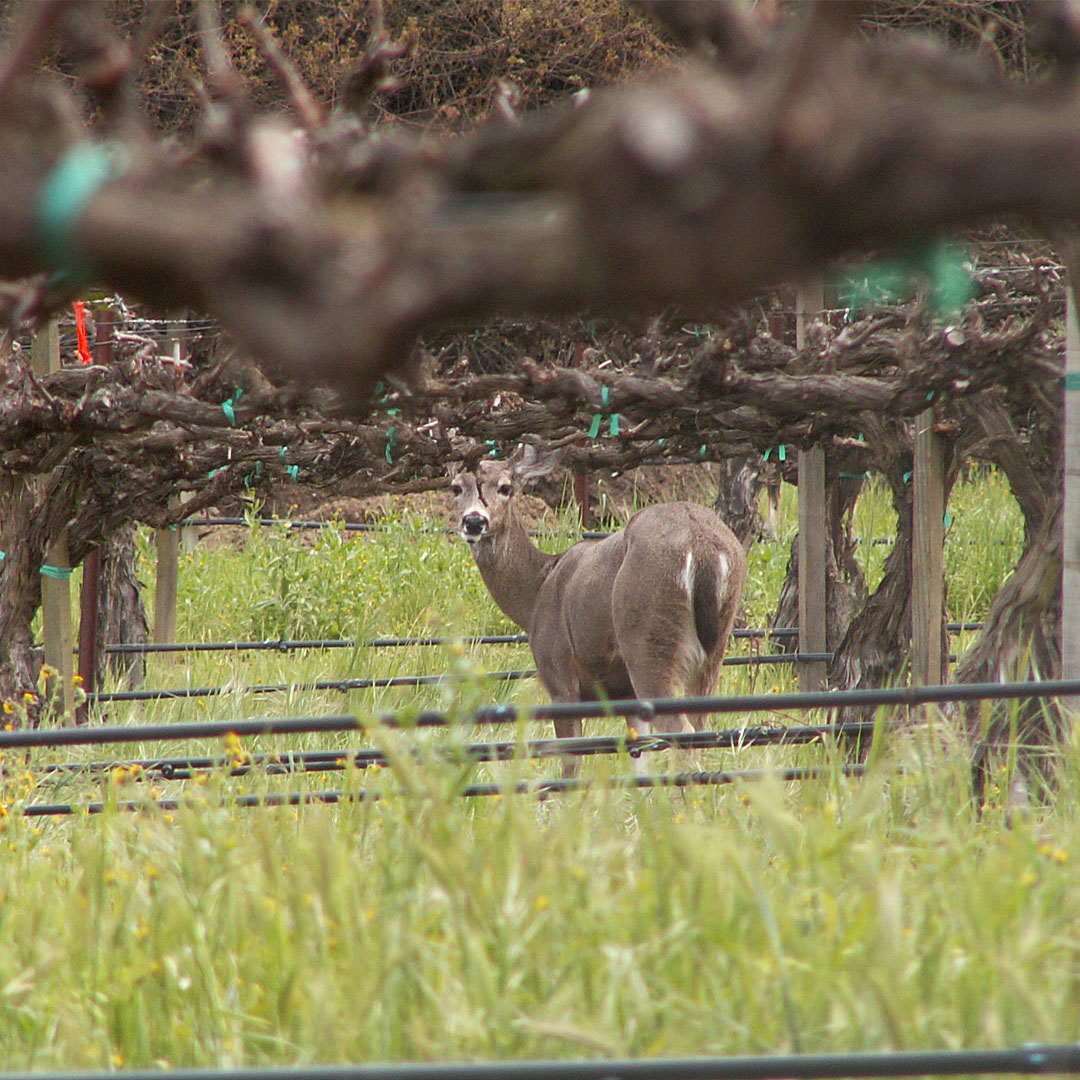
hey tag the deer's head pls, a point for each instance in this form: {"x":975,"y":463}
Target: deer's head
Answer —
{"x":484,"y":496}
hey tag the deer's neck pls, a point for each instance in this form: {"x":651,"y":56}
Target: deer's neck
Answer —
{"x":513,"y":569}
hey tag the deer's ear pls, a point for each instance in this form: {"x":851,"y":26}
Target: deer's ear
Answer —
{"x":527,"y":462}
{"x":454,"y":467}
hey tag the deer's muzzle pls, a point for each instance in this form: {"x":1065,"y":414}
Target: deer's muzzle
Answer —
{"x":473,"y":526}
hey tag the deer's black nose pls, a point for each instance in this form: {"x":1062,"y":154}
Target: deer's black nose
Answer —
{"x":474,"y":524}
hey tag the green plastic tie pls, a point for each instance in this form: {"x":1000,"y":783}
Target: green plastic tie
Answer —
{"x":1072,"y":380}
{"x":948,"y":519}
{"x":853,"y":475}
{"x":293,"y":471}
{"x":390,"y":446}
{"x":494,"y":447}
{"x":613,"y":418}
{"x":781,"y":452}
{"x":701,"y":452}
{"x":59,"y":573}
{"x":767,"y":454}
{"x":907,"y":477}
{"x":940,"y":265}
{"x":75,"y":180}
{"x":281,"y":455}
{"x":213,"y":472}
{"x":228,"y":406}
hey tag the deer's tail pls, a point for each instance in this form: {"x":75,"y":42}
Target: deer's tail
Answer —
{"x":711,"y":585}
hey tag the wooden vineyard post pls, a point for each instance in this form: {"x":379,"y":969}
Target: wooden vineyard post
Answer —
{"x":168,"y":557}
{"x":580,"y":478}
{"x":1070,"y":574}
{"x":56,"y":570}
{"x":927,"y":552}
{"x":104,"y":340}
{"x":168,"y":562}
{"x":581,"y":498}
{"x":811,"y":543}
{"x":88,"y":627}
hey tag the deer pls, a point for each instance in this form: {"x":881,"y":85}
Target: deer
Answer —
{"x":645,"y":612}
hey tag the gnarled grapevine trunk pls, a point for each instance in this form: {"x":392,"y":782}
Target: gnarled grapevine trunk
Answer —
{"x":20,"y":590}
{"x":33,"y":513}
{"x":121,"y":614}
{"x":1020,"y":640}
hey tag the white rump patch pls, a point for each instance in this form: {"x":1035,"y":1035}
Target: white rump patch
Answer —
{"x":725,"y":580}
{"x":686,"y":578}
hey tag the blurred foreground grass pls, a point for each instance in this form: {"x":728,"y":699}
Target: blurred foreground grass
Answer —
{"x":826,"y":915}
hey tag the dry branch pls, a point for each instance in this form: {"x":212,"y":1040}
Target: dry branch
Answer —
{"x":326,"y":255}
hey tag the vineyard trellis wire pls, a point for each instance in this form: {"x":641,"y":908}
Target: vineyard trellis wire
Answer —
{"x":239,"y":763}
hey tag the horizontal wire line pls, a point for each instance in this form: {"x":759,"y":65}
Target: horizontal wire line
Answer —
{"x":346,"y":685}
{"x":296,"y":761}
{"x":643,"y":709}
{"x":288,"y":645}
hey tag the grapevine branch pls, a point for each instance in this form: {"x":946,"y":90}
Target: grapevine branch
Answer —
{"x":325,"y":252}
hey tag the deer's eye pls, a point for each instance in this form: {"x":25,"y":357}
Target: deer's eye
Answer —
{"x":505,"y":490}
{"x":456,"y":489}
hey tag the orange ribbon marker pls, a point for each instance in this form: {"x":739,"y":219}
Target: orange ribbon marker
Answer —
{"x":80,"y":332}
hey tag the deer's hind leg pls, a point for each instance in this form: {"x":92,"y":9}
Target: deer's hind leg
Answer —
{"x":658,"y":642}
{"x":661,"y":678}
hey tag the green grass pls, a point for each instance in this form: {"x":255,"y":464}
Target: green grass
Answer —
{"x":831,"y":915}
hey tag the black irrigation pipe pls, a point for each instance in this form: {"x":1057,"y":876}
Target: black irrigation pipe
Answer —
{"x":540,"y":788}
{"x":818,"y":699}
{"x":1029,"y":1060}
{"x":341,"y":685}
{"x":287,"y":645}
{"x":297,"y":761}
{"x":500,"y":714}
{"x":345,"y":685}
